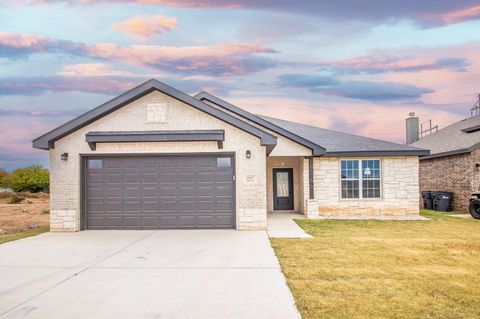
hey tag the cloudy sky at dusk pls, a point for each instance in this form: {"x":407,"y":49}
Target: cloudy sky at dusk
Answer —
{"x":354,"y":66}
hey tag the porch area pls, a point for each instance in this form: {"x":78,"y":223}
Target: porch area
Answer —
{"x":287,"y":184}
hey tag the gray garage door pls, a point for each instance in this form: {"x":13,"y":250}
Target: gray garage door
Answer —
{"x":159,"y":192}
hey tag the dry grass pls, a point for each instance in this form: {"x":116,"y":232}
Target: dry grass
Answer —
{"x":15,"y":219}
{"x":385,"y":269}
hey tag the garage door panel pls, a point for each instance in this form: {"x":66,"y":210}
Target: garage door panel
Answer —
{"x":132,"y":221}
{"x":113,"y":221}
{"x":223,"y":205}
{"x":131,"y":191}
{"x":159,"y":192}
{"x":112,"y":162}
{"x":96,"y":178}
{"x":150,"y":191}
{"x":168,"y":206}
{"x":111,"y":206}
{"x":187,"y":222}
{"x":224,"y":221}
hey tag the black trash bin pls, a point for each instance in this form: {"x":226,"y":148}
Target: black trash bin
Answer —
{"x":427,"y":200}
{"x":442,"y":201}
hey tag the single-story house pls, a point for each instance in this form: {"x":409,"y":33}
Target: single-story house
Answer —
{"x":454,"y":161}
{"x":157,"y":158}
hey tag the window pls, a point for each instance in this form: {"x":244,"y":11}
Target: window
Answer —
{"x":156,"y":112}
{"x":224,"y":162}
{"x":361,"y":178}
{"x":95,"y":163}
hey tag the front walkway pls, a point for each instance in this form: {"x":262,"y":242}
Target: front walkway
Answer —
{"x":282,"y":225}
{"x":143,"y":274}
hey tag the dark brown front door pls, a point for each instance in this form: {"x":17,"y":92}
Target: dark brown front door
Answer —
{"x":283,"y":189}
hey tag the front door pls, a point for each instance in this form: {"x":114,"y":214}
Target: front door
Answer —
{"x":283,"y":189}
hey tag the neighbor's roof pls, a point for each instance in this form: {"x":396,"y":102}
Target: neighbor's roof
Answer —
{"x":344,"y":144}
{"x":459,"y":138}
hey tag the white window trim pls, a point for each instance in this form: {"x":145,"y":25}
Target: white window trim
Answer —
{"x":360,"y":186}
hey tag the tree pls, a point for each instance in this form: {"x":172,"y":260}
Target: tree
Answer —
{"x":4,"y":179}
{"x":31,"y":179}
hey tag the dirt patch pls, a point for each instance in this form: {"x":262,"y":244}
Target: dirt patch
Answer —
{"x":20,"y":216}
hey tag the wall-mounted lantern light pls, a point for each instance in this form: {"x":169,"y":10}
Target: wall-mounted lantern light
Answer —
{"x":248,"y":154}
{"x":477,"y":165}
{"x":64,"y":156}
{"x":368,"y":172}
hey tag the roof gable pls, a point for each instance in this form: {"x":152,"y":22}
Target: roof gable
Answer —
{"x":316,"y":149}
{"x":47,"y":141}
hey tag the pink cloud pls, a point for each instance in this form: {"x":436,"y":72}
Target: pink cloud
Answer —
{"x":145,"y":27}
{"x":25,"y":131}
{"x":221,"y":59}
{"x":452,"y":89}
{"x":16,"y":40}
{"x":456,"y":16}
{"x":382,"y":62}
{"x":39,"y":85}
{"x":94,"y":69}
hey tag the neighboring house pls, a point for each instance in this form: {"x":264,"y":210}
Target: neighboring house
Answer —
{"x":454,"y":161}
{"x":155,"y":158}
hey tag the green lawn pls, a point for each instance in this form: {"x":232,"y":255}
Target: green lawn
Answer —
{"x":385,"y":269}
{"x":19,"y":234}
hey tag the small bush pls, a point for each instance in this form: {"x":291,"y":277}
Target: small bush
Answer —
{"x":6,"y":195}
{"x":46,"y":211}
{"x":16,"y":199}
{"x":31,"y":179}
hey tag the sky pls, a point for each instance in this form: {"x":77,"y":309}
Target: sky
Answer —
{"x":355,"y":66}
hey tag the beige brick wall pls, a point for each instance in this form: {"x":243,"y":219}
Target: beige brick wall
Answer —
{"x":456,"y":173}
{"x":286,"y":162}
{"x":251,"y":196}
{"x":400,"y":190}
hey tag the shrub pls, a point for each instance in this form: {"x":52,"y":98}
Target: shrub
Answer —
{"x":31,"y":179}
{"x":16,"y":199}
{"x":4,"y":179}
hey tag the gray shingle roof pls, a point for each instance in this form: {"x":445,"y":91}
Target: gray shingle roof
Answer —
{"x":452,"y":139}
{"x":339,"y":143}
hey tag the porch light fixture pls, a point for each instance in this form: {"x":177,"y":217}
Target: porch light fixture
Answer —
{"x":248,"y":154}
{"x":368,"y":172}
{"x":64,"y":156}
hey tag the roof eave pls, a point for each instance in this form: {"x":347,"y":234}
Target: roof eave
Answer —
{"x":378,"y":153}
{"x":448,"y":153}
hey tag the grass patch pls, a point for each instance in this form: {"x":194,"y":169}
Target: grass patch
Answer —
{"x":19,"y":234}
{"x":385,"y":269}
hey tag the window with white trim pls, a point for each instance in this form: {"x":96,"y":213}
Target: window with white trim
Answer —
{"x":156,"y":112}
{"x":360,"y":178}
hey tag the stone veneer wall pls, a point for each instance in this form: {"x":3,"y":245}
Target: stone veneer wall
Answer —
{"x":456,"y":173}
{"x":251,"y":206}
{"x":400,"y":190}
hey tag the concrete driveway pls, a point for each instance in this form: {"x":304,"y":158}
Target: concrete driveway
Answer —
{"x":143,"y":274}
